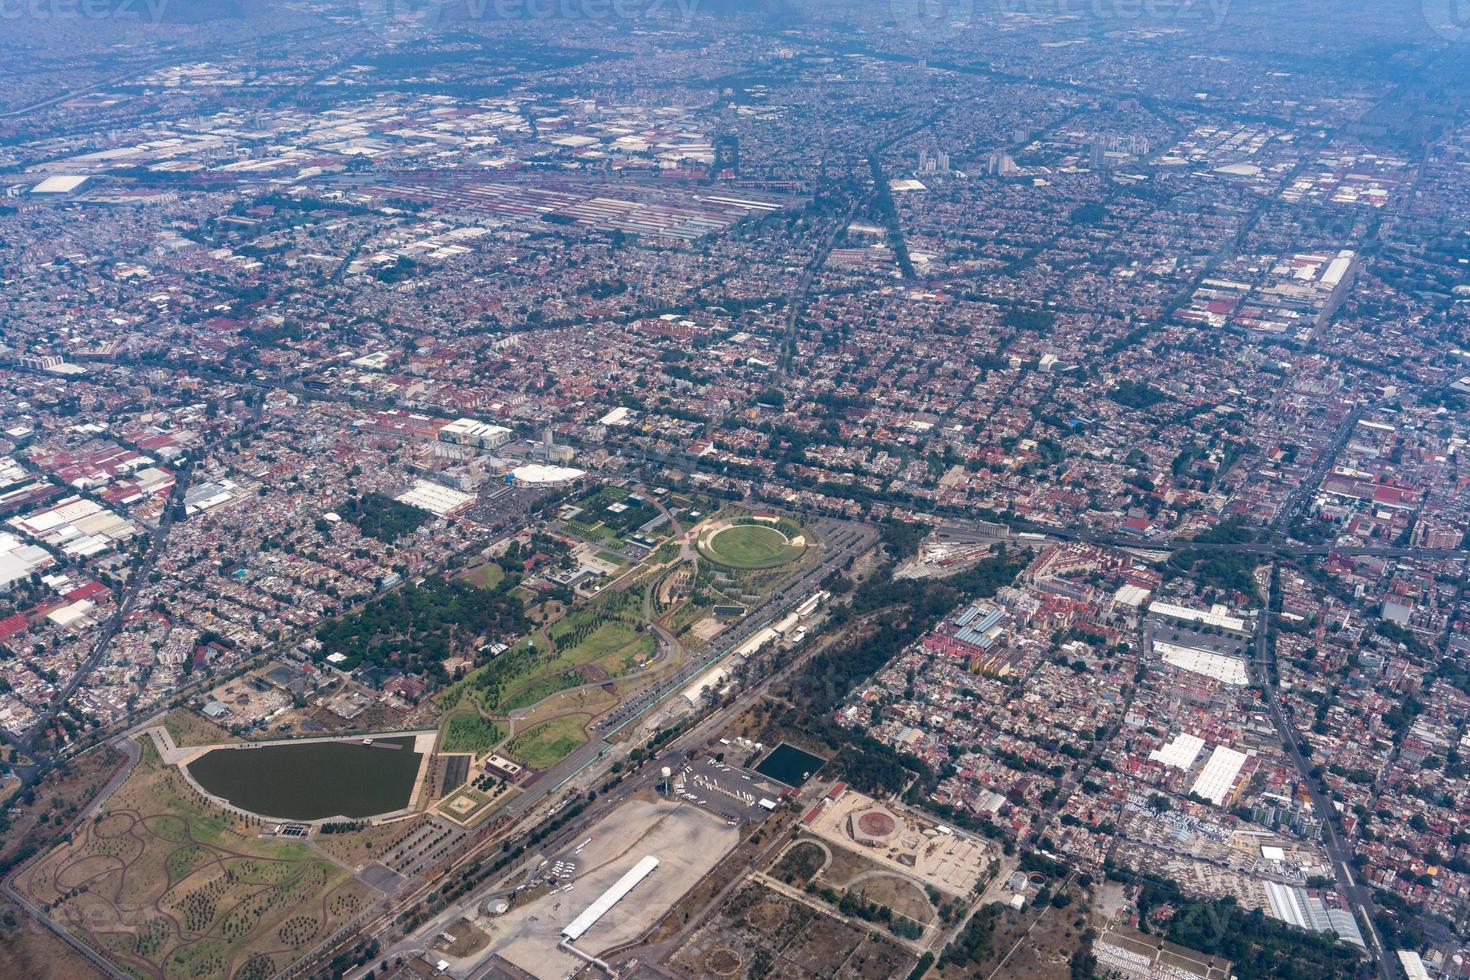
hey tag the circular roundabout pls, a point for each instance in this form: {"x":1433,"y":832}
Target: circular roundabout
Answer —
{"x":752,"y":545}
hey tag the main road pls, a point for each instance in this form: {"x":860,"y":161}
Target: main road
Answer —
{"x":984,"y":531}
{"x":38,"y":766}
{"x":1357,"y":898}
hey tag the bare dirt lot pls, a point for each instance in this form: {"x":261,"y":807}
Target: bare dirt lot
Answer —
{"x":29,"y":950}
{"x":902,"y":841}
{"x":188,"y":729}
{"x":760,"y":932}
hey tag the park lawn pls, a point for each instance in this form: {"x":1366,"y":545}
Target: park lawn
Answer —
{"x":750,"y":546}
{"x":541,"y":688}
{"x":537,"y":667}
{"x":487,"y":576}
{"x":467,"y":731}
{"x":611,"y":645}
{"x":595,"y":533}
{"x":626,"y":660}
{"x":748,"y":543}
{"x":455,"y":693}
{"x":608,"y":638}
{"x":241,"y":898}
{"x":605,"y":633}
{"x":550,"y":742}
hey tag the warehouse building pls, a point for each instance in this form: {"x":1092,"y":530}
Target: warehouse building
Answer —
{"x":472,"y":432}
{"x":604,"y":903}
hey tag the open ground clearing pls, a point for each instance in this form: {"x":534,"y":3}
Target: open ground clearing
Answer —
{"x":687,"y":842}
{"x":761,"y":932}
{"x":187,"y":728}
{"x":31,"y":951}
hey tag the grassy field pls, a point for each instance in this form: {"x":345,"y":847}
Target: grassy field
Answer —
{"x":590,"y":701}
{"x":29,"y":951}
{"x":487,"y":576}
{"x":606,"y":638}
{"x":166,"y":885}
{"x":540,"y":688}
{"x":599,"y":641}
{"x":368,"y":843}
{"x":750,"y":546}
{"x":547,"y":744}
{"x":604,"y":633}
{"x":468,"y":731}
{"x":188,"y":728}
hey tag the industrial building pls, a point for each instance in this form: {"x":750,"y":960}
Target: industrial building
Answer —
{"x":18,"y":560}
{"x":1217,"y":616}
{"x":60,"y":184}
{"x":975,"y":623}
{"x":472,"y":432}
{"x":1218,"y":776}
{"x":810,"y":603}
{"x":711,"y":680}
{"x":1180,"y":753}
{"x":1292,"y":904}
{"x":441,"y":501}
{"x":1221,"y":667}
{"x":757,"y":641}
{"x":77,"y":527}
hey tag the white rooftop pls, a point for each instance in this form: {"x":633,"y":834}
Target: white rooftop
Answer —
{"x":1218,"y":776}
{"x":1180,"y":753}
{"x":60,"y":184}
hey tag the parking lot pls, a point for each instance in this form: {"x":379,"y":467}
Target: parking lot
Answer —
{"x":726,"y":791}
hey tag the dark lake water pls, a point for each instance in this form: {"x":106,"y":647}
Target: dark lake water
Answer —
{"x":790,"y":765}
{"x":313,"y":780}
